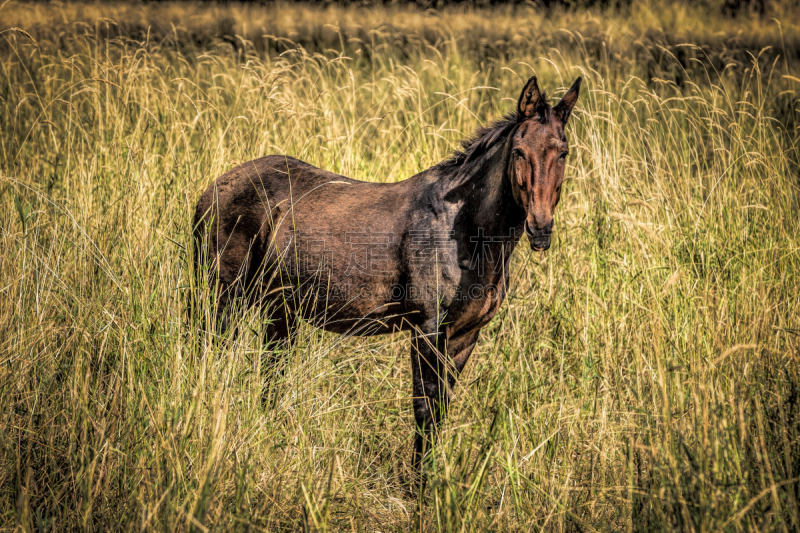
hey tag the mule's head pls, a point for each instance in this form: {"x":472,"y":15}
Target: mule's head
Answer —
{"x":538,"y":156}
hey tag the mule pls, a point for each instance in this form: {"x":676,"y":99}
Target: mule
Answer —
{"x":429,"y":254}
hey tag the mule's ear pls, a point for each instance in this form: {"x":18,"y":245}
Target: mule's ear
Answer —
{"x":526,"y":106}
{"x":564,"y":108}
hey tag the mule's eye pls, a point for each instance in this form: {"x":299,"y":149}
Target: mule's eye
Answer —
{"x":563,"y":155}
{"x":518,"y":153}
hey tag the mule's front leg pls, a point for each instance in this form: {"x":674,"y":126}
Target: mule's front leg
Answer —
{"x":434,"y":378}
{"x":430,"y":374}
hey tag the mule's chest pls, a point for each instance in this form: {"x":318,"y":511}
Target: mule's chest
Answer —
{"x":477,"y":305}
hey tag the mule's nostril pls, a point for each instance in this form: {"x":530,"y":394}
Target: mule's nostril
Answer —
{"x":528,"y":230}
{"x":538,"y":233}
{"x":538,"y":239}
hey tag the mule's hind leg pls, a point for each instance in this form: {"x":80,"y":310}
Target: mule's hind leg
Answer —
{"x":228,"y":296}
{"x":278,"y":340}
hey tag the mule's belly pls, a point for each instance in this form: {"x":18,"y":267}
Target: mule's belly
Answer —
{"x":359,"y":310}
{"x":366,"y":326}
{"x":344,"y":302}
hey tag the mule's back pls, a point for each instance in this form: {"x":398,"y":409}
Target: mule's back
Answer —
{"x":255,"y":219}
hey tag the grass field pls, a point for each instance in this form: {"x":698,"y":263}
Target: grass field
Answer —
{"x":643,"y":375}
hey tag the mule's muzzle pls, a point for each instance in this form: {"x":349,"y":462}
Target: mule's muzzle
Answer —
{"x":539,"y":238}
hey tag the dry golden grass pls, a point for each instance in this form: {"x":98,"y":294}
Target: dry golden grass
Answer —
{"x":643,"y":374}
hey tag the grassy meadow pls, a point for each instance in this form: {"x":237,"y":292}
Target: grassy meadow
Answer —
{"x":643,"y":375}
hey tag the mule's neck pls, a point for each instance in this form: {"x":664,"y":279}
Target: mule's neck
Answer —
{"x":484,"y":198}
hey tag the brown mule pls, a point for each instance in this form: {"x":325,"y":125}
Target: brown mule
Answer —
{"x":429,"y":254}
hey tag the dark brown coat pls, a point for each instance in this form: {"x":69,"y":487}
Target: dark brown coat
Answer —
{"x":429,"y":254}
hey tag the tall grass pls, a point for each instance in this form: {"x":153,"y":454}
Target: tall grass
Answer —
{"x":642,"y":375}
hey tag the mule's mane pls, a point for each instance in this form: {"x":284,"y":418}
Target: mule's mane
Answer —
{"x":487,"y":136}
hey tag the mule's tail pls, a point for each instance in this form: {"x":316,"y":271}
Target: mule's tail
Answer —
{"x":199,"y":281}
